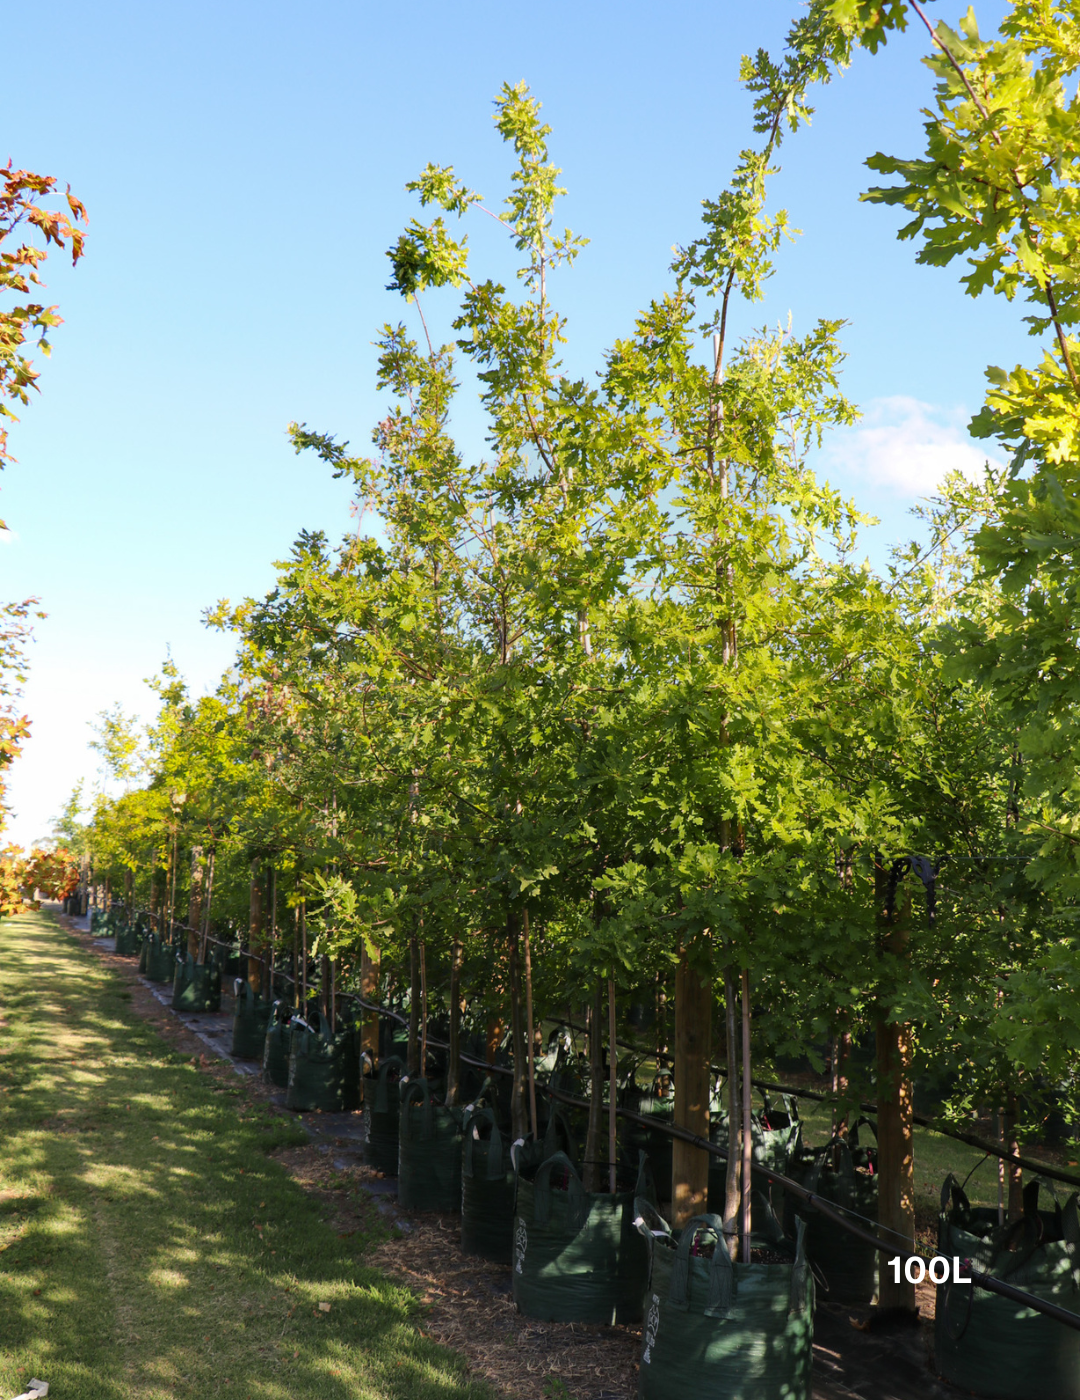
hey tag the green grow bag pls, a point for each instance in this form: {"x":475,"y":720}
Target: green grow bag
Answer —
{"x":988,"y":1344}
{"x":845,"y":1265}
{"x":144,"y":954}
{"x":487,"y":1188}
{"x":429,"y":1151}
{"x":196,"y":986}
{"x":127,"y":941}
{"x":275,"y":1059}
{"x":727,"y":1331}
{"x":382,"y":1110}
{"x":324,"y":1067}
{"x":577,"y":1256}
{"x":251,"y":1016}
{"x":160,"y":960}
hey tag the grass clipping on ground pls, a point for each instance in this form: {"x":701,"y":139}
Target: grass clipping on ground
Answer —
{"x":149,"y":1246}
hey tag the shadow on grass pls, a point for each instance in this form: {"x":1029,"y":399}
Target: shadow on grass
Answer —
{"x":150,"y":1247}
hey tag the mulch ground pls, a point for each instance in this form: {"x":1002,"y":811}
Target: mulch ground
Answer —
{"x":468,"y":1302}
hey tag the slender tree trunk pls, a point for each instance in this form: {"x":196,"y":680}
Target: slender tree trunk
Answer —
{"x":1015,"y":1173}
{"x":530,"y":1028}
{"x":195,"y":900}
{"x":256,"y":926}
{"x":453,"y":1070}
{"x":895,"y":1128}
{"x":413,"y":1054}
{"x":746,"y":1183}
{"x":326,"y":992}
{"x":423,"y":1007}
{"x":613,"y":1085}
{"x":127,"y":894}
{"x":693,"y":1055}
{"x":519,"y":1124}
{"x":369,"y":990}
{"x":1001,"y":1167}
{"x":594,"y":1135}
{"x":493,"y":1038}
{"x":732,"y":1176}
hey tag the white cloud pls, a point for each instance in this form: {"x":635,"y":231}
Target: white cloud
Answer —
{"x":906,"y":447}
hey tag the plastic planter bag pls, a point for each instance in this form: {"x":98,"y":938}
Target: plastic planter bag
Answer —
{"x":429,"y":1151}
{"x":382,"y":1109}
{"x":991,"y":1345}
{"x":324,"y":1067}
{"x":728,"y":1331}
{"x":846,"y":1266}
{"x":275,"y":1058}
{"x":251,"y":1016}
{"x":160,"y":960}
{"x":127,"y":941}
{"x":577,"y":1256}
{"x":487,"y":1188}
{"x":196,"y":986}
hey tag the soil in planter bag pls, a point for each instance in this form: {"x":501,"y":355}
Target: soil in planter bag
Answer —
{"x":846,"y":1267}
{"x":577,"y":1256}
{"x":728,"y":1331}
{"x":251,"y":1016}
{"x":487,"y":1187}
{"x":382,"y":1109}
{"x":196,"y":986}
{"x":988,"y":1344}
{"x":324,"y":1066}
{"x":275,"y":1057}
{"x":429,"y":1151}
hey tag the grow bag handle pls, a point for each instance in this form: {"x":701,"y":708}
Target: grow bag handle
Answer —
{"x":557,"y":1124}
{"x":722,"y":1288}
{"x":382,"y":1091}
{"x":473,"y":1118}
{"x":542,"y":1190}
{"x":646,"y":1220}
{"x":415,"y":1088}
{"x":845,"y":1170}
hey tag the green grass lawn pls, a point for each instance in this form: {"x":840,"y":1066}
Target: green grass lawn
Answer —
{"x":149,"y":1246}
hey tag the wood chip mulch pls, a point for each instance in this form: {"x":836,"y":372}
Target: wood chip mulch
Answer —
{"x":470,"y":1308}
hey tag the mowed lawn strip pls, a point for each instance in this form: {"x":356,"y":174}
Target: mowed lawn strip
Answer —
{"x":149,"y":1246}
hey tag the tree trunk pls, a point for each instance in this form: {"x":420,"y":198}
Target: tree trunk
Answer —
{"x":595,"y":1134}
{"x":256,"y":934}
{"x":453,"y":1069}
{"x":745,"y":1183}
{"x":127,"y":894}
{"x":413,"y":1054}
{"x":369,"y":990}
{"x":531,"y":1030}
{"x":195,"y":899}
{"x":326,"y":990}
{"x":733,"y":1174}
{"x":896,"y":1153}
{"x":493,"y":1039}
{"x":613,"y":1086}
{"x":693,"y":1055}
{"x":1014,"y":1173}
{"x":519,"y":1124}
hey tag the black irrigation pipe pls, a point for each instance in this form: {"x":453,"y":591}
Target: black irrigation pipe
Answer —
{"x":809,"y":1198}
{"x":992,"y":1149}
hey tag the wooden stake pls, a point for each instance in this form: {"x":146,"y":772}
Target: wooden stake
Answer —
{"x":518,"y":1113}
{"x":747,"y":1134}
{"x":591,"y":1179}
{"x":613,"y":1082}
{"x":413,"y":1056}
{"x":453,"y":1069}
{"x":531,"y":1031}
{"x":693,"y":1053}
{"x":423,"y":1007}
{"x":733,"y":1175}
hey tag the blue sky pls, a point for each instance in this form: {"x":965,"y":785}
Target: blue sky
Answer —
{"x":243,"y":166}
